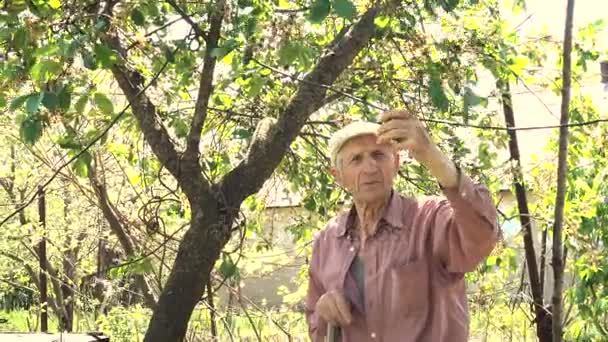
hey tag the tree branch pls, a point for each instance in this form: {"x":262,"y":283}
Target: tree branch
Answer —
{"x":121,"y":233}
{"x":562,"y":170}
{"x":524,"y":212}
{"x":267,"y":150}
{"x":146,"y":113}
{"x":206,"y":83}
{"x":197,"y":29}
{"x":155,"y":132}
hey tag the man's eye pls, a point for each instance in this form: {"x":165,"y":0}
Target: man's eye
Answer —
{"x":378,"y":154}
{"x":355,"y":159}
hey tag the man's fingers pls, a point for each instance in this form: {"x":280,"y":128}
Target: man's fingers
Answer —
{"x":328,"y":309}
{"x":398,"y":135}
{"x":394,"y":114}
{"x":396,"y":123}
{"x":334,"y":309}
{"x":344,"y":308}
{"x":334,"y":318}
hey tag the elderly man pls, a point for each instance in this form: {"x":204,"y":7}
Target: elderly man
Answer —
{"x":392,"y":267}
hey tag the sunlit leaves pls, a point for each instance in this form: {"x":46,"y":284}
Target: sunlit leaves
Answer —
{"x":105,"y":56}
{"x":133,"y":265}
{"x":382,"y":21}
{"x":44,"y":70}
{"x":224,"y":49}
{"x":295,"y":53}
{"x":55,"y":4}
{"x":82,"y":165}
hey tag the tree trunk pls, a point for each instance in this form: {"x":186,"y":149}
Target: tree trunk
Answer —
{"x":200,"y":248}
{"x":562,"y":169}
{"x":70,"y":259}
{"x":540,"y":312}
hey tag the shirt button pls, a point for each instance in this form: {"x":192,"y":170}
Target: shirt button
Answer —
{"x":352,"y":249}
{"x":373,"y":335}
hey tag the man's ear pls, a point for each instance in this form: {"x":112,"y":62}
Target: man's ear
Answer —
{"x":397,"y":161}
{"x":336,"y":173}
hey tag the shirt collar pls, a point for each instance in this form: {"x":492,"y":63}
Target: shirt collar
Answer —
{"x":393,"y":215}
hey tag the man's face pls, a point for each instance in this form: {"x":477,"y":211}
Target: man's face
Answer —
{"x":366,"y":169}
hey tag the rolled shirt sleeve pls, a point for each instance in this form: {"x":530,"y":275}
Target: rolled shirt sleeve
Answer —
{"x":464,"y":227}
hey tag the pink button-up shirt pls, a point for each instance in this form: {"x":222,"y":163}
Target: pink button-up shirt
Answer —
{"x":414,"y":267}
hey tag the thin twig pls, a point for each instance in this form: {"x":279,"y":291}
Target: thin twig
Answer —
{"x":436,"y":121}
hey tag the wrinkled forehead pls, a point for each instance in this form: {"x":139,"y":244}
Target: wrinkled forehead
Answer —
{"x":364,"y":143}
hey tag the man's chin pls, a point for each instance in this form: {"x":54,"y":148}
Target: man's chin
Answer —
{"x":373,"y":197}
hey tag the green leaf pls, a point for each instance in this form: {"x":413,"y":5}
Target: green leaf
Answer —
{"x":64,"y":99}
{"x":82,"y":165}
{"x":471,"y":100}
{"x":20,"y":38}
{"x":47,"y":50}
{"x":55,"y":4}
{"x":319,"y":11}
{"x":169,"y":55}
{"x":104,"y":104}
{"x":344,"y":8}
{"x":2,"y":100}
{"x":138,"y":17}
{"x":288,"y":53}
{"x":226,"y":48}
{"x":310,"y":204}
{"x":81,"y":104}
{"x":143,"y":266}
{"x":241,"y":133}
{"x":18,"y":102}
{"x":45,"y":70}
{"x":228,"y":268}
{"x":255,"y":86}
{"x":89,"y":60}
{"x":491,"y":260}
{"x":105,"y":56}
{"x":382,"y":21}
{"x":102,"y":24}
{"x":180,"y":127}
{"x":218,"y":52}
{"x":31,"y":129}
{"x":449,"y":5}
{"x":67,"y":142}
{"x":437,"y":95}
{"x":50,"y":101}
{"x":33,"y":103}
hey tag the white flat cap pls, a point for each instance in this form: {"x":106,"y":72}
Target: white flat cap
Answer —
{"x":346,"y":133}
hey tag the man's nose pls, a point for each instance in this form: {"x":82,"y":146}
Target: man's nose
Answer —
{"x":370,"y":165}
